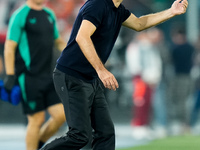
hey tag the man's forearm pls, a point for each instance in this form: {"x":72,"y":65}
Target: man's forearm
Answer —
{"x":89,"y":52}
{"x":151,"y":20}
{"x":178,"y":7}
{"x":9,"y":57}
{"x":88,"y":49}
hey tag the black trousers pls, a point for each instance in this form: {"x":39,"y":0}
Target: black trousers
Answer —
{"x":85,"y":109}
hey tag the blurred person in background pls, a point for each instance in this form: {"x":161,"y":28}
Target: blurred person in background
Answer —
{"x":159,"y":117}
{"x":80,"y":76}
{"x":31,"y":36}
{"x":144,"y":63}
{"x":181,"y":83}
{"x":195,"y":110}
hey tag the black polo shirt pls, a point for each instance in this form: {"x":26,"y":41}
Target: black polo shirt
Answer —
{"x":108,"y":20}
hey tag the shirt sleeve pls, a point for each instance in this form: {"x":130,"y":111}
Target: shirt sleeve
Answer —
{"x":17,"y":23}
{"x":53,"y":16}
{"x":56,"y":31}
{"x":94,"y":12}
{"x":125,"y":13}
{"x":14,"y":28}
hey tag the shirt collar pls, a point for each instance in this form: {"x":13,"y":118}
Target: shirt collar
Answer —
{"x":111,"y":4}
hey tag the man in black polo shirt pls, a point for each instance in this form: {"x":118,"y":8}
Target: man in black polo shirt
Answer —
{"x":80,"y":76}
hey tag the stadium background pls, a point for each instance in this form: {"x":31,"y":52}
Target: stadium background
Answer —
{"x":12,"y":121}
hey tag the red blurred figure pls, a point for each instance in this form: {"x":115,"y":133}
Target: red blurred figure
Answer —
{"x":144,"y":63}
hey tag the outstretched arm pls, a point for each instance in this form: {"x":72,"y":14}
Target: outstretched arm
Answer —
{"x":85,"y":43}
{"x":178,"y":7}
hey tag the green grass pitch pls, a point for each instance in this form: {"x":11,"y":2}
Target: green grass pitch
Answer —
{"x":171,"y":143}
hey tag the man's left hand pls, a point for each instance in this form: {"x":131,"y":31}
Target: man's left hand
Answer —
{"x":179,"y":7}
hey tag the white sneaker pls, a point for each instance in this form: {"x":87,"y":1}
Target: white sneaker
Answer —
{"x":142,"y":133}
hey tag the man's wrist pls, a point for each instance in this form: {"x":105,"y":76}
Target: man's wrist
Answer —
{"x":10,"y":73}
{"x":171,"y":12}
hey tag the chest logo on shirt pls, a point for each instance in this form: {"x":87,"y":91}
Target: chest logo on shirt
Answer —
{"x":33,"y":20}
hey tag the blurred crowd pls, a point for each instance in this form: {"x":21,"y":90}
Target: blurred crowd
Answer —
{"x":158,"y":70}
